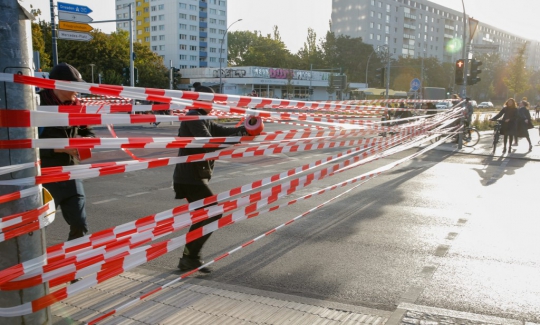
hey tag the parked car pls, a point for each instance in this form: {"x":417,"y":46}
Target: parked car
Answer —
{"x":443,"y":105}
{"x":473,"y":103}
{"x":485,"y":105}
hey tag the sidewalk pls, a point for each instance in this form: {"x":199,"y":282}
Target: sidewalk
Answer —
{"x":198,"y":301}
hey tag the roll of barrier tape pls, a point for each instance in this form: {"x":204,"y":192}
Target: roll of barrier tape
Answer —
{"x":254,"y":125}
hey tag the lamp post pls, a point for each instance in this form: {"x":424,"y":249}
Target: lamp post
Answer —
{"x":92,"y":65}
{"x":369,"y":57}
{"x":221,"y":53}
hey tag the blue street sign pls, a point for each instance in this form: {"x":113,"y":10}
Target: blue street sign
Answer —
{"x":69,"y":7}
{"x":415,"y":84}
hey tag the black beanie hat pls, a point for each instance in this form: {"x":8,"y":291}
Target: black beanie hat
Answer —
{"x":66,"y":72}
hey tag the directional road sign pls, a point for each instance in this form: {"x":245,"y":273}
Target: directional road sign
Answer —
{"x":78,"y":18}
{"x":74,"y":36}
{"x":70,"y":7}
{"x":79,"y":27}
{"x":415,"y":84}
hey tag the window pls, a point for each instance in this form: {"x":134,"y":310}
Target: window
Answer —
{"x":213,"y":59}
{"x":162,"y":47}
{"x":193,"y":58}
{"x":193,"y":48}
{"x":213,"y":30}
{"x":182,"y":66}
{"x":371,"y":25}
{"x":213,"y":20}
{"x":183,"y":47}
{"x":182,"y":36}
{"x":161,"y":37}
{"x":193,"y":37}
{"x":183,"y":57}
{"x":154,"y":28}
{"x":191,"y":27}
{"x":212,"y":40}
{"x":182,"y":5}
{"x":161,"y":27}
{"x":182,"y":16}
{"x":154,"y":48}
{"x":183,"y":26}
{"x":222,"y":22}
{"x":154,"y":18}
{"x":154,"y":38}
{"x":193,"y":17}
{"x":161,"y":17}
{"x":161,"y":7}
{"x":153,"y":8}
{"x":147,"y":39}
{"x":192,"y":7}
{"x":213,"y":50}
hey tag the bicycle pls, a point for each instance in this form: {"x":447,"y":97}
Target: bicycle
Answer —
{"x":496,"y":134}
{"x":471,"y":137}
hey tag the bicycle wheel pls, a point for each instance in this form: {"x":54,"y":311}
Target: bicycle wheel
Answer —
{"x":472,"y":138}
{"x":496,"y":136}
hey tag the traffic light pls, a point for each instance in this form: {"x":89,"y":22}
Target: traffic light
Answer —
{"x":474,"y":72}
{"x":127,"y":75}
{"x":460,"y":69}
{"x":380,"y":77}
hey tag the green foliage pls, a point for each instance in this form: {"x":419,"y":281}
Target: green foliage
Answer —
{"x":517,"y":77}
{"x":109,"y":54}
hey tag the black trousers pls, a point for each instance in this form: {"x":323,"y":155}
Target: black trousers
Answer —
{"x":69,"y":195}
{"x":194,"y":193}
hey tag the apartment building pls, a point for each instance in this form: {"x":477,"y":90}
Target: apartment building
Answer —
{"x":420,"y":28}
{"x":187,"y":32}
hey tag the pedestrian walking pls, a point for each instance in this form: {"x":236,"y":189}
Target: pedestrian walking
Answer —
{"x":537,"y":110}
{"x":190,"y":180}
{"x":509,"y":122}
{"x":69,"y":195}
{"x":524,"y":122}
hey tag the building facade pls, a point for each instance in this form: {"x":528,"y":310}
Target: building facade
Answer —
{"x":187,"y":33}
{"x":268,"y":82}
{"x":420,"y":28}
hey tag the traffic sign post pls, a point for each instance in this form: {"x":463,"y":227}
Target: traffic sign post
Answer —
{"x":415,"y":84}
{"x":70,"y":7}
{"x":69,"y":16}
{"x":74,"y":36}
{"x":72,"y":23}
{"x":79,"y":27}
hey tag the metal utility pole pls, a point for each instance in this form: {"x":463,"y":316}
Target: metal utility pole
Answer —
{"x":16,"y":58}
{"x":465,"y":53}
{"x":53,"y":32}
{"x":221,"y":53}
{"x":131,"y":54}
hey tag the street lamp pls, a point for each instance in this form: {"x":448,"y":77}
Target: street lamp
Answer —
{"x":220,"y":54}
{"x":92,"y":65}
{"x":369,"y":57}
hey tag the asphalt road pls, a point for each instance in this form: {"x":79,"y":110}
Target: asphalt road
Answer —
{"x":445,"y":230}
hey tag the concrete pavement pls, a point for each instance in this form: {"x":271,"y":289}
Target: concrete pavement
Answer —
{"x":198,"y":301}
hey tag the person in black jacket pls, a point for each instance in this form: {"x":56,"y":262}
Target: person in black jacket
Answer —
{"x":69,"y":195}
{"x":524,"y":122}
{"x":509,"y":115}
{"x":190,"y":180}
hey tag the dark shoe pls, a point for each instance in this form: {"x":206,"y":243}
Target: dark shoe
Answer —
{"x":75,"y":281}
{"x":530,"y":147}
{"x":188,"y":264}
{"x":504,"y":150}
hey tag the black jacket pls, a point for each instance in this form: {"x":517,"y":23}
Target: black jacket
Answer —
{"x":511,"y":114}
{"x":48,"y":157}
{"x":200,"y":172}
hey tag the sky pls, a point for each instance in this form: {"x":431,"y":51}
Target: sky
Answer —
{"x":294,"y":17}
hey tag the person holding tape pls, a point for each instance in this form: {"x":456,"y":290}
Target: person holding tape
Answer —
{"x":69,"y":195}
{"x":190,"y":180}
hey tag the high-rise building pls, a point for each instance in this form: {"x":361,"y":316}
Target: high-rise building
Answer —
{"x":421,"y":28}
{"x":187,"y":32}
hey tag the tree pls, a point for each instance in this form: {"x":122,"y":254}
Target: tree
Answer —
{"x":114,"y":47}
{"x":310,"y":54}
{"x":517,"y":76}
